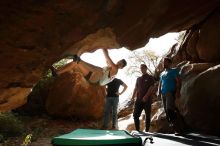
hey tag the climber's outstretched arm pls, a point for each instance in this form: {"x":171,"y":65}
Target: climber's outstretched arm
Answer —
{"x":114,"y":68}
{"x":108,"y":59}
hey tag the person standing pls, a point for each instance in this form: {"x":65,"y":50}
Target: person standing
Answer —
{"x":112,"y":100}
{"x":169,"y":89}
{"x":143,"y":99}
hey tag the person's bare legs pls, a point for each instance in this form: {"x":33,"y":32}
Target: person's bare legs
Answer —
{"x":85,"y":68}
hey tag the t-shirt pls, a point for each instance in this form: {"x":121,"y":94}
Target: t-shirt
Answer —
{"x":168,"y":80}
{"x":113,"y":87}
{"x":106,"y":77}
{"x":143,"y":83}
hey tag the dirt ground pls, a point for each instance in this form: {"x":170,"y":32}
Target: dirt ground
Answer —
{"x":43,"y":129}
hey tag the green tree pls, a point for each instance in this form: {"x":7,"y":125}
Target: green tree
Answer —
{"x":142,"y":57}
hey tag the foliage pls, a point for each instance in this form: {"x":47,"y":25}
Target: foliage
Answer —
{"x":142,"y":57}
{"x":47,"y":78}
{"x":56,"y":65}
{"x":10,"y":125}
{"x":147,"y":57}
{"x":36,"y":132}
{"x":181,"y":36}
{"x":27,"y":140}
{"x":41,"y":87}
{"x":1,"y":138}
{"x":31,"y":136}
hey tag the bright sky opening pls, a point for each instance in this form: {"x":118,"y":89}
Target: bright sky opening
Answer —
{"x":159,"y":45}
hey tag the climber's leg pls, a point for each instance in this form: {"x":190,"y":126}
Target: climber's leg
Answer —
{"x":90,"y":72}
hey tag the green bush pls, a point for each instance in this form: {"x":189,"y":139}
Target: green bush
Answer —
{"x":42,"y":85}
{"x":10,"y":125}
{"x":37,"y":98}
{"x":1,"y":138}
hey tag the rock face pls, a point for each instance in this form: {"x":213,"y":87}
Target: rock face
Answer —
{"x":72,"y":96}
{"x":208,"y":43}
{"x":159,"y":122}
{"x":199,"y":102}
{"x":200,"y":75}
{"x":34,"y":34}
{"x":200,"y":92}
{"x":199,"y":56}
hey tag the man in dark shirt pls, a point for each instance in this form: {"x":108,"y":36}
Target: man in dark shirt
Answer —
{"x":112,"y":100}
{"x":143,"y":100}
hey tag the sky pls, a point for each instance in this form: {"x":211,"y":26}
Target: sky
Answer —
{"x":159,"y":45}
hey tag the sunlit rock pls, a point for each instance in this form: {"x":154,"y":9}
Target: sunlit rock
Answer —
{"x":35,"y":34}
{"x":159,"y":122}
{"x":72,"y":96}
{"x":14,"y":98}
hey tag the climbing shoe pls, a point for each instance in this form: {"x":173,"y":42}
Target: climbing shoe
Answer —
{"x":74,"y":57}
{"x":53,"y":71}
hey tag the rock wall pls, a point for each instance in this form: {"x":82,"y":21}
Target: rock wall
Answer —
{"x":198,"y":56}
{"x":199,"y":102}
{"x":72,"y":96}
{"x":34,"y":34}
{"x":200,"y":89}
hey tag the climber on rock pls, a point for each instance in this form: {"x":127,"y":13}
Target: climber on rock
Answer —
{"x":92,"y":73}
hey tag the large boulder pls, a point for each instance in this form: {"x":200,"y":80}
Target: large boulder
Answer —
{"x":159,"y":122}
{"x":200,"y":98}
{"x":72,"y":96}
{"x":34,"y":34}
{"x":208,"y":42}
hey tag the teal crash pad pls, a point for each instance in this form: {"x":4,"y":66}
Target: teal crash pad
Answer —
{"x":89,"y":137}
